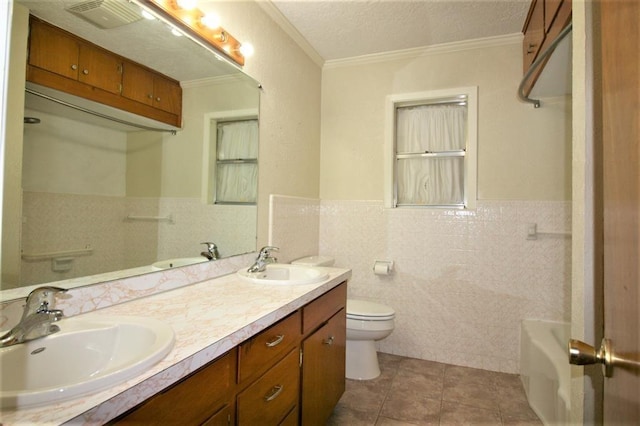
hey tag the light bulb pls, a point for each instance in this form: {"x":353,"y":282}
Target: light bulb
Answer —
{"x":211,"y":20}
{"x":246,"y":49}
{"x":147,"y":15}
{"x":187,"y":4}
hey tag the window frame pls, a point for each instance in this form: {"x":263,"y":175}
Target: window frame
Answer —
{"x":211,"y":120}
{"x":431,"y":97}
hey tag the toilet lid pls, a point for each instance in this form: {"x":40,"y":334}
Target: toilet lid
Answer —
{"x":361,"y":309}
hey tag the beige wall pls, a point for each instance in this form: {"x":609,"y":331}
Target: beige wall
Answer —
{"x":182,"y":154}
{"x":289,"y":106}
{"x":523,"y":153}
{"x":12,"y":200}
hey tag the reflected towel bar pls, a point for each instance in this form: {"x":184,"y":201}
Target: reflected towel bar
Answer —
{"x":537,"y":63}
{"x":151,"y":218}
{"x":34,"y":257}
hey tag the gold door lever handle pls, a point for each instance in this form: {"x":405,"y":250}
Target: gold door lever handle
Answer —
{"x":581,"y":353}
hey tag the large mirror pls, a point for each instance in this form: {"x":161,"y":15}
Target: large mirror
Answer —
{"x":100,"y":199}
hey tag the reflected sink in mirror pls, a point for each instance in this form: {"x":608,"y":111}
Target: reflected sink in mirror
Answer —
{"x":177,"y":262}
{"x":285,"y":274}
{"x":85,"y":356}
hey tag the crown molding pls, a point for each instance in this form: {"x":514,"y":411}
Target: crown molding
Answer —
{"x":275,"y":14}
{"x":436,"y":49}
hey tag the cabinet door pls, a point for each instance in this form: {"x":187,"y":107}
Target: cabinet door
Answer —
{"x":533,"y":33}
{"x":137,"y":83}
{"x":551,"y":8}
{"x":53,"y":50}
{"x":223,"y":417}
{"x":323,"y":370}
{"x":99,"y":68}
{"x":167,"y":95}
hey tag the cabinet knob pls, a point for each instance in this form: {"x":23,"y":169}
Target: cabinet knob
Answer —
{"x":85,"y":72}
{"x":150,"y":96}
{"x":74,"y":67}
{"x":158,"y":99}
{"x":328,"y":341}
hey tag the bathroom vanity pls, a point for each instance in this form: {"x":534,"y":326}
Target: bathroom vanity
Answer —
{"x":244,"y":354}
{"x":295,"y":367}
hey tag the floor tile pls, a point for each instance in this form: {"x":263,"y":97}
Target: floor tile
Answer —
{"x":414,"y":392}
{"x":459,"y":415}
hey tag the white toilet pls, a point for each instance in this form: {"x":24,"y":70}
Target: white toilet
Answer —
{"x":366,"y":323}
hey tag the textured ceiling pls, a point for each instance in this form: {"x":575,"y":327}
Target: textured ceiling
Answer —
{"x":339,"y":29}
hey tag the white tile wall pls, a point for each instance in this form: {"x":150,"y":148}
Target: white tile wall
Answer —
{"x":60,"y":222}
{"x":463,"y":281}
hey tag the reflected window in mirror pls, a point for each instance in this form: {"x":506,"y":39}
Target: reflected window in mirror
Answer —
{"x":236,"y":162}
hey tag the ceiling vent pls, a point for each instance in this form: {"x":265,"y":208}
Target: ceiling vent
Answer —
{"x":107,"y":13}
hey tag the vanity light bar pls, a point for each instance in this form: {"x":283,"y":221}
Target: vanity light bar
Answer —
{"x":191,"y":22}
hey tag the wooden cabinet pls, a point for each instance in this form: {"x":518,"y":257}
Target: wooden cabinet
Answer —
{"x":66,"y":55}
{"x":323,"y":355}
{"x":260,"y":352}
{"x":206,"y":396}
{"x":62,"y":61}
{"x":323,"y":370}
{"x":145,"y":86}
{"x":545,"y":20}
{"x":533,"y":33}
{"x":271,"y":398}
{"x":288,"y":374}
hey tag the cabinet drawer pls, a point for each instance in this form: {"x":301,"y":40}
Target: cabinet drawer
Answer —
{"x":260,"y":352}
{"x":192,"y":400}
{"x":270,"y":399}
{"x":323,"y":308}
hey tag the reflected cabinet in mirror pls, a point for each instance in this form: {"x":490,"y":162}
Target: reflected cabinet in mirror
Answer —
{"x":86,"y":196}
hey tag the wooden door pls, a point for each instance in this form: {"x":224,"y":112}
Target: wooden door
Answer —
{"x":137,"y":83}
{"x":323,"y":370}
{"x":99,"y":68}
{"x":53,"y":50}
{"x":620,"y":29}
{"x":167,"y":94}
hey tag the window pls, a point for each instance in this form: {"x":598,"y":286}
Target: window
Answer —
{"x":430,"y":150}
{"x":236,"y":162}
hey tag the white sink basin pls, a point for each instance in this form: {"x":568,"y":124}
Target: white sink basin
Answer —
{"x":85,"y":356}
{"x":285,"y":274}
{"x":177,"y":262}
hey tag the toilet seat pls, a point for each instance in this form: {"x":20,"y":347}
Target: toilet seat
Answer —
{"x":364,"y":310}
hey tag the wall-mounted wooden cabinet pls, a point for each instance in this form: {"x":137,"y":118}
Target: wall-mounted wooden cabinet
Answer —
{"x":62,"y":61}
{"x":148,"y":87}
{"x":545,"y":20}
{"x":289,"y":374}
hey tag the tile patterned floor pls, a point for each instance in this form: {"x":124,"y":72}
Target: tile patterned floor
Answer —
{"x":417,"y":392}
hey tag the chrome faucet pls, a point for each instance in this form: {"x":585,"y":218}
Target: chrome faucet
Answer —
{"x":37,"y":319}
{"x":212,"y":251}
{"x":264,"y":257}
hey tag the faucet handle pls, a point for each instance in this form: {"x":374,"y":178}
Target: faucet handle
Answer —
{"x":40,"y":296}
{"x":266,"y":250}
{"x":210,"y":246}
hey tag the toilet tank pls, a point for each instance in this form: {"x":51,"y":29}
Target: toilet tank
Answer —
{"x":314,"y":261}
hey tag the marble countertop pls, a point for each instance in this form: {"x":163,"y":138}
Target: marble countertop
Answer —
{"x":208,"y":318}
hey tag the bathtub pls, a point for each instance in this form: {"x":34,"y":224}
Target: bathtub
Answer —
{"x":545,"y":370}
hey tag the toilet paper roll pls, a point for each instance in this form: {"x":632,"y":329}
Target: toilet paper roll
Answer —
{"x":382,"y":268}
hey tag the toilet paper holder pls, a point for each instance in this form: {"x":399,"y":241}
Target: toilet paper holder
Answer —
{"x":383,"y":267}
